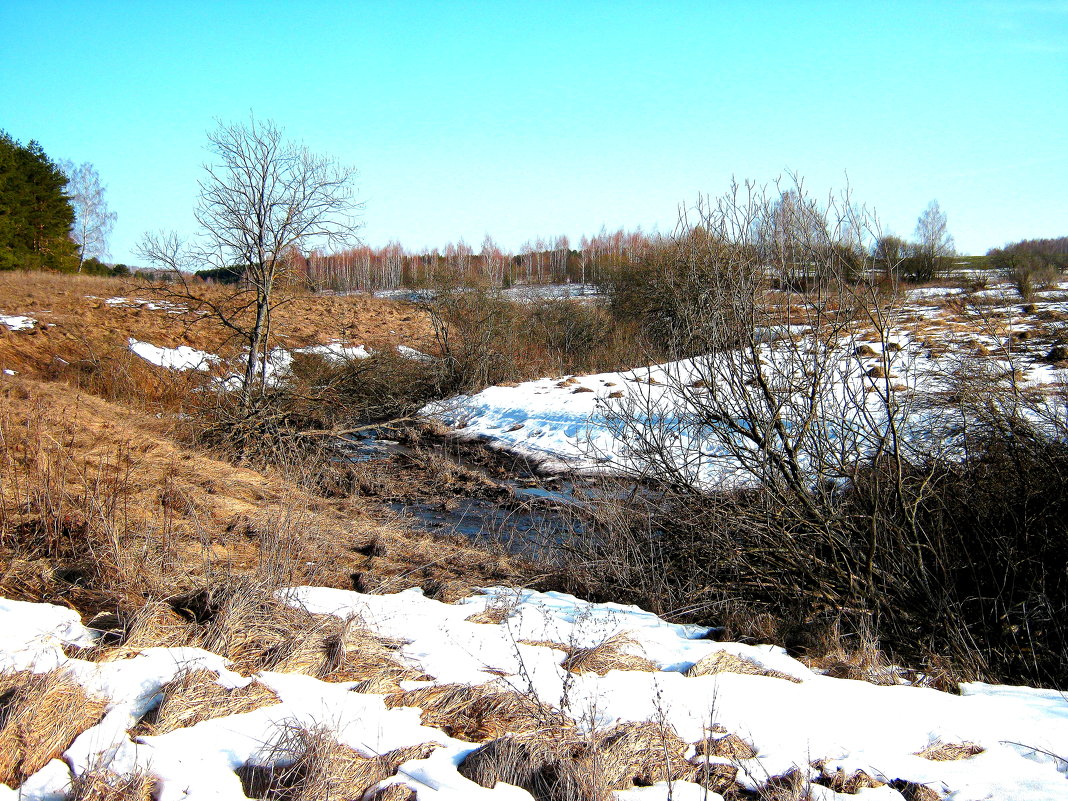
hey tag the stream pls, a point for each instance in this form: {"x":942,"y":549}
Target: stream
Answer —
{"x":522,"y":510}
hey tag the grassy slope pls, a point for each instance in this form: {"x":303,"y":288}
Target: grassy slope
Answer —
{"x":102,"y":506}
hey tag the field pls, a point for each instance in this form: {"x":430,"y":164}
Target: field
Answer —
{"x":184,"y":618}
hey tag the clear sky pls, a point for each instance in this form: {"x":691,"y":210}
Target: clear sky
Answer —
{"x":521,"y":119}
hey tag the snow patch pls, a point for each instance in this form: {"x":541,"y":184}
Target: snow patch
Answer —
{"x":181,"y":358}
{"x":15,"y":322}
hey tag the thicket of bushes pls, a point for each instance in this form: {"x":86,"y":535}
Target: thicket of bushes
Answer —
{"x":485,"y":339}
{"x":963,"y":572}
{"x":952,"y":549}
{"x":1031,"y":263}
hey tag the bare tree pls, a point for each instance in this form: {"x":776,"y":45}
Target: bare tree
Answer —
{"x":93,"y":221}
{"x":798,"y":388}
{"x":934,"y":244}
{"x":263,"y":199}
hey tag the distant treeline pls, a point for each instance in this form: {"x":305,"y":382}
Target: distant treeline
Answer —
{"x":1031,"y":262}
{"x":538,"y":262}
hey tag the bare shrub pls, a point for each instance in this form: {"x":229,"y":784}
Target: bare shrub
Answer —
{"x":486,"y":339}
{"x":932,"y":519}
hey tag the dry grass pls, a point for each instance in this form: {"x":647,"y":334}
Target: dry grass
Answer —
{"x":76,"y":320}
{"x":155,"y":624}
{"x":609,"y":654}
{"x":40,"y":716}
{"x":392,"y":792}
{"x":916,"y":792}
{"x":196,"y":695}
{"x":98,"y":783}
{"x":309,"y":765}
{"x":544,"y":766}
{"x":729,"y":746}
{"x":859,"y":658}
{"x":496,"y":611}
{"x":637,"y":755}
{"x":482,"y":712}
{"x":102,"y":510}
{"x":563,"y":766}
{"x":849,"y":783}
{"x":725,"y":662}
{"x":949,"y":752}
{"x":242,"y":618}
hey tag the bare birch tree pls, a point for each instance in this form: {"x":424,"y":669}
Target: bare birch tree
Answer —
{"x":262,"y":199}
{"x":93,"y":221}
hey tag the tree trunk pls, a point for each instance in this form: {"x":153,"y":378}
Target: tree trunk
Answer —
{"x":254,"y":339}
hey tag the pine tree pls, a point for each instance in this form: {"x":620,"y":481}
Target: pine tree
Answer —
{"x":35,"y":214}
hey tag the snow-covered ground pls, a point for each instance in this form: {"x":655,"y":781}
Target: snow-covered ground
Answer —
{"x":793,"y":719}
{"x":573,"y":421}
{"x":522,"y":293}
{"x":279,"y":360}
{"x":141,"y":303}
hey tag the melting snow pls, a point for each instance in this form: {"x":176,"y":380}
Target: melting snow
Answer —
{"x":16,"y":322}
{"x":181,"y":358}
{"x":850,"y":725}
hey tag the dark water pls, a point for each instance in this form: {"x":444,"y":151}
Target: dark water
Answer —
{"x":531,"y":511}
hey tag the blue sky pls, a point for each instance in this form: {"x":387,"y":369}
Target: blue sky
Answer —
{"x":539,"y":118}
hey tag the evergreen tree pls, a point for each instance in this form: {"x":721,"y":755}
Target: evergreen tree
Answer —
{"x":35,"y":214}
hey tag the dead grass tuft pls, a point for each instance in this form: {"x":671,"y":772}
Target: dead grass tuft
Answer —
{"x":392,"y":792}
{"x":483,"y":712}
{"x":791,"y":786}
{"x":638,"y":755}
{"x":490,"y":615}
{"x":562,"y":766}
{"x":40,"y":716}
{"x":309,"y":765}
{"x":607,"y":655}
{"x":859,"y":658}
{"x":544,"y":766}
{"x":156,"y":624}
{"x":725,"y":662}
{"x":196,"y":695}
{"x":242,"y":619}
{"x":849,"y":783}
{"x":496,"y":611}
{"x":916,"y":792}
{"x":949,"y":752}
{"x":729,"y":746}
{"x":98,"y":783}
